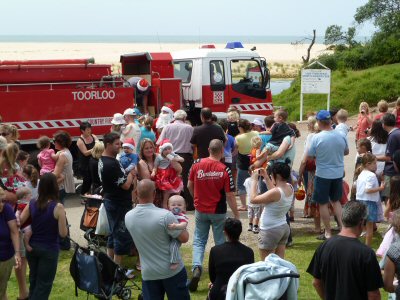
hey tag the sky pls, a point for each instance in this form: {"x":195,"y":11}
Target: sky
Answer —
{"x":177,"y":17}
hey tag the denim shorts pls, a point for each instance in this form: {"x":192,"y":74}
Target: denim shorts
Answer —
{"x":120,"y":237}
{"x":326,"y":190}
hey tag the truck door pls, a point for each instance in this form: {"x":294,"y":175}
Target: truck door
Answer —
{"x":217,"y":79}
{"x":189,"y":70}
{"x":247,"y":86}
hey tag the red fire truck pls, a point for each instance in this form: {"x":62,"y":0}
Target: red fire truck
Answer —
{"x":43,"y":96}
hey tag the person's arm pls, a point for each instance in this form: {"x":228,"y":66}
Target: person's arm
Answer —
{"x":178,"y":226}
{"x":82,"y":147}
{"x":183,"y":237}
{"x":384,"y":158}
{"x":178,"y":159}
{"x":60,"y":215}
{"x":272,"y":195}
{"x":389,"y":275}
{"x":371,"y":183}
{"x":14,"y":234}
{"x":280,"y":152}
{"x":232,"y":204}
{"x":302,"y":169}
{"x":388,"y":209}
{"x":25,"y":214}
{"x":319,"y":287}
{"x":190,"y":187}
{"x":62,"y":160}
{"x":374,"y":295}
{"x":129,"y":180}
{"x":292,"y":140}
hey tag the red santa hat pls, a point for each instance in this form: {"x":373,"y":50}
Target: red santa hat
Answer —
{"x":142,"y":85}
{"x":130,"y":143}
{"x":166,"y":143}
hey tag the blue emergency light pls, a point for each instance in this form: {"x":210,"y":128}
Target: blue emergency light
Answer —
{"x":234,"y":45}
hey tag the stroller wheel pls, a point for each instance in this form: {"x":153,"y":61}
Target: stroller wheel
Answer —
{"x":126,"y":294}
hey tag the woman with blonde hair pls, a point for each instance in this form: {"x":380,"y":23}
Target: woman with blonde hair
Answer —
{"x":97,"y":151}
{"x":364,"y":121}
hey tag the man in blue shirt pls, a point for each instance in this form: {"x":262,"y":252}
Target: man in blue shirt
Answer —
{"x":329,"y":148}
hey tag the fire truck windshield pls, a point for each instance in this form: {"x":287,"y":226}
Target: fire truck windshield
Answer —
{"x":247,"y":77}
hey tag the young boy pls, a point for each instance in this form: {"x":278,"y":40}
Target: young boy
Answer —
{"x":342,"y":127}
{"x":24,"y":196}
{"x":177,"y":205}
{"x":278,"y":132}
{"x":128,"y":158}
{"x":254,"y":210}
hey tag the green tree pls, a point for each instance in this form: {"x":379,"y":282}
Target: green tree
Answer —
{"x":334,"y":35}
{"x":385,"y":14}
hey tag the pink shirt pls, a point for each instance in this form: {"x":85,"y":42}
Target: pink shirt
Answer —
{"x":46,"y":162}
{"x":363,"y":124}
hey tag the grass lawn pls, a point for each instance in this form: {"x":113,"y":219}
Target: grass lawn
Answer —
{"x":300,"y":254}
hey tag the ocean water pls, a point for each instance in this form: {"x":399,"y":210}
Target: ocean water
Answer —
{"x":277,"y":86}
{"x":151,"y":39}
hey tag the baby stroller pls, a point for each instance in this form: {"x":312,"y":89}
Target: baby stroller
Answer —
{"x":272,"y":279}
{"x":97,"y":274}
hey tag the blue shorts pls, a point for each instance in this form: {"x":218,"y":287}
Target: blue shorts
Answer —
{"x":372,"y":209}
{"x":120,"y":239}
{"x":326,"y":190}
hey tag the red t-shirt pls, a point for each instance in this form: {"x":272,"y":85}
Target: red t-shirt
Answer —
{"x":212,"y":180}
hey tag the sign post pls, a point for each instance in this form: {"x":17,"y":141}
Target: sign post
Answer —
{"x":315,"y":81}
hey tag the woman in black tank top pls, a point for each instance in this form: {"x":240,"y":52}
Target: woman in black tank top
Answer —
{"x":85,"y":144}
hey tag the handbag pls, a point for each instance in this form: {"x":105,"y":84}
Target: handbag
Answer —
{"x":102,"y":228}
{"x":91,"y":217}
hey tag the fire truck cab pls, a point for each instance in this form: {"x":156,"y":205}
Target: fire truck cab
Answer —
{"x":220,"y":78}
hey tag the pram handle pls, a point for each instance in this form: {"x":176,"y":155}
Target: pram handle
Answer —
{"x":292,"y":275}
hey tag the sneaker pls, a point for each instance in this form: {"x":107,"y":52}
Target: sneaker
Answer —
{"x":363,"y":233}
{"x":250,"y":227}
{"x":194,"y":282}
{"x":256,"y":229}
{"x":289,"y":244}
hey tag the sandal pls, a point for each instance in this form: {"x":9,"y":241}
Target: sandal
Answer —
{"x":138,"y":267}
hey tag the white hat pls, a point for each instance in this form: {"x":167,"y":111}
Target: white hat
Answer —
{"x":167,"y":110}
{"x":129,"y":112}
{"x":142,"y":85}
{"x":118,"y":119}
{"x":258,"y":122}
{"x":166,"y":143}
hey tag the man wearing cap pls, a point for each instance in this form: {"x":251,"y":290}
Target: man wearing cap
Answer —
{"x":131,"y":130}
{"x":180,"y":133}
{"x":329,"y":148}
{"x":142,"y":90}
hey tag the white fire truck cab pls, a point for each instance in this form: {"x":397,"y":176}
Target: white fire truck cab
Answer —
{"x":220,"y":78}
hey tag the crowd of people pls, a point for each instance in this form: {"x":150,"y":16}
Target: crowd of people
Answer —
{"x":150,"y":173}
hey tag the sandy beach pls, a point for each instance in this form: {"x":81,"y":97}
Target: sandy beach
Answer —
{"x":109,"y":53}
